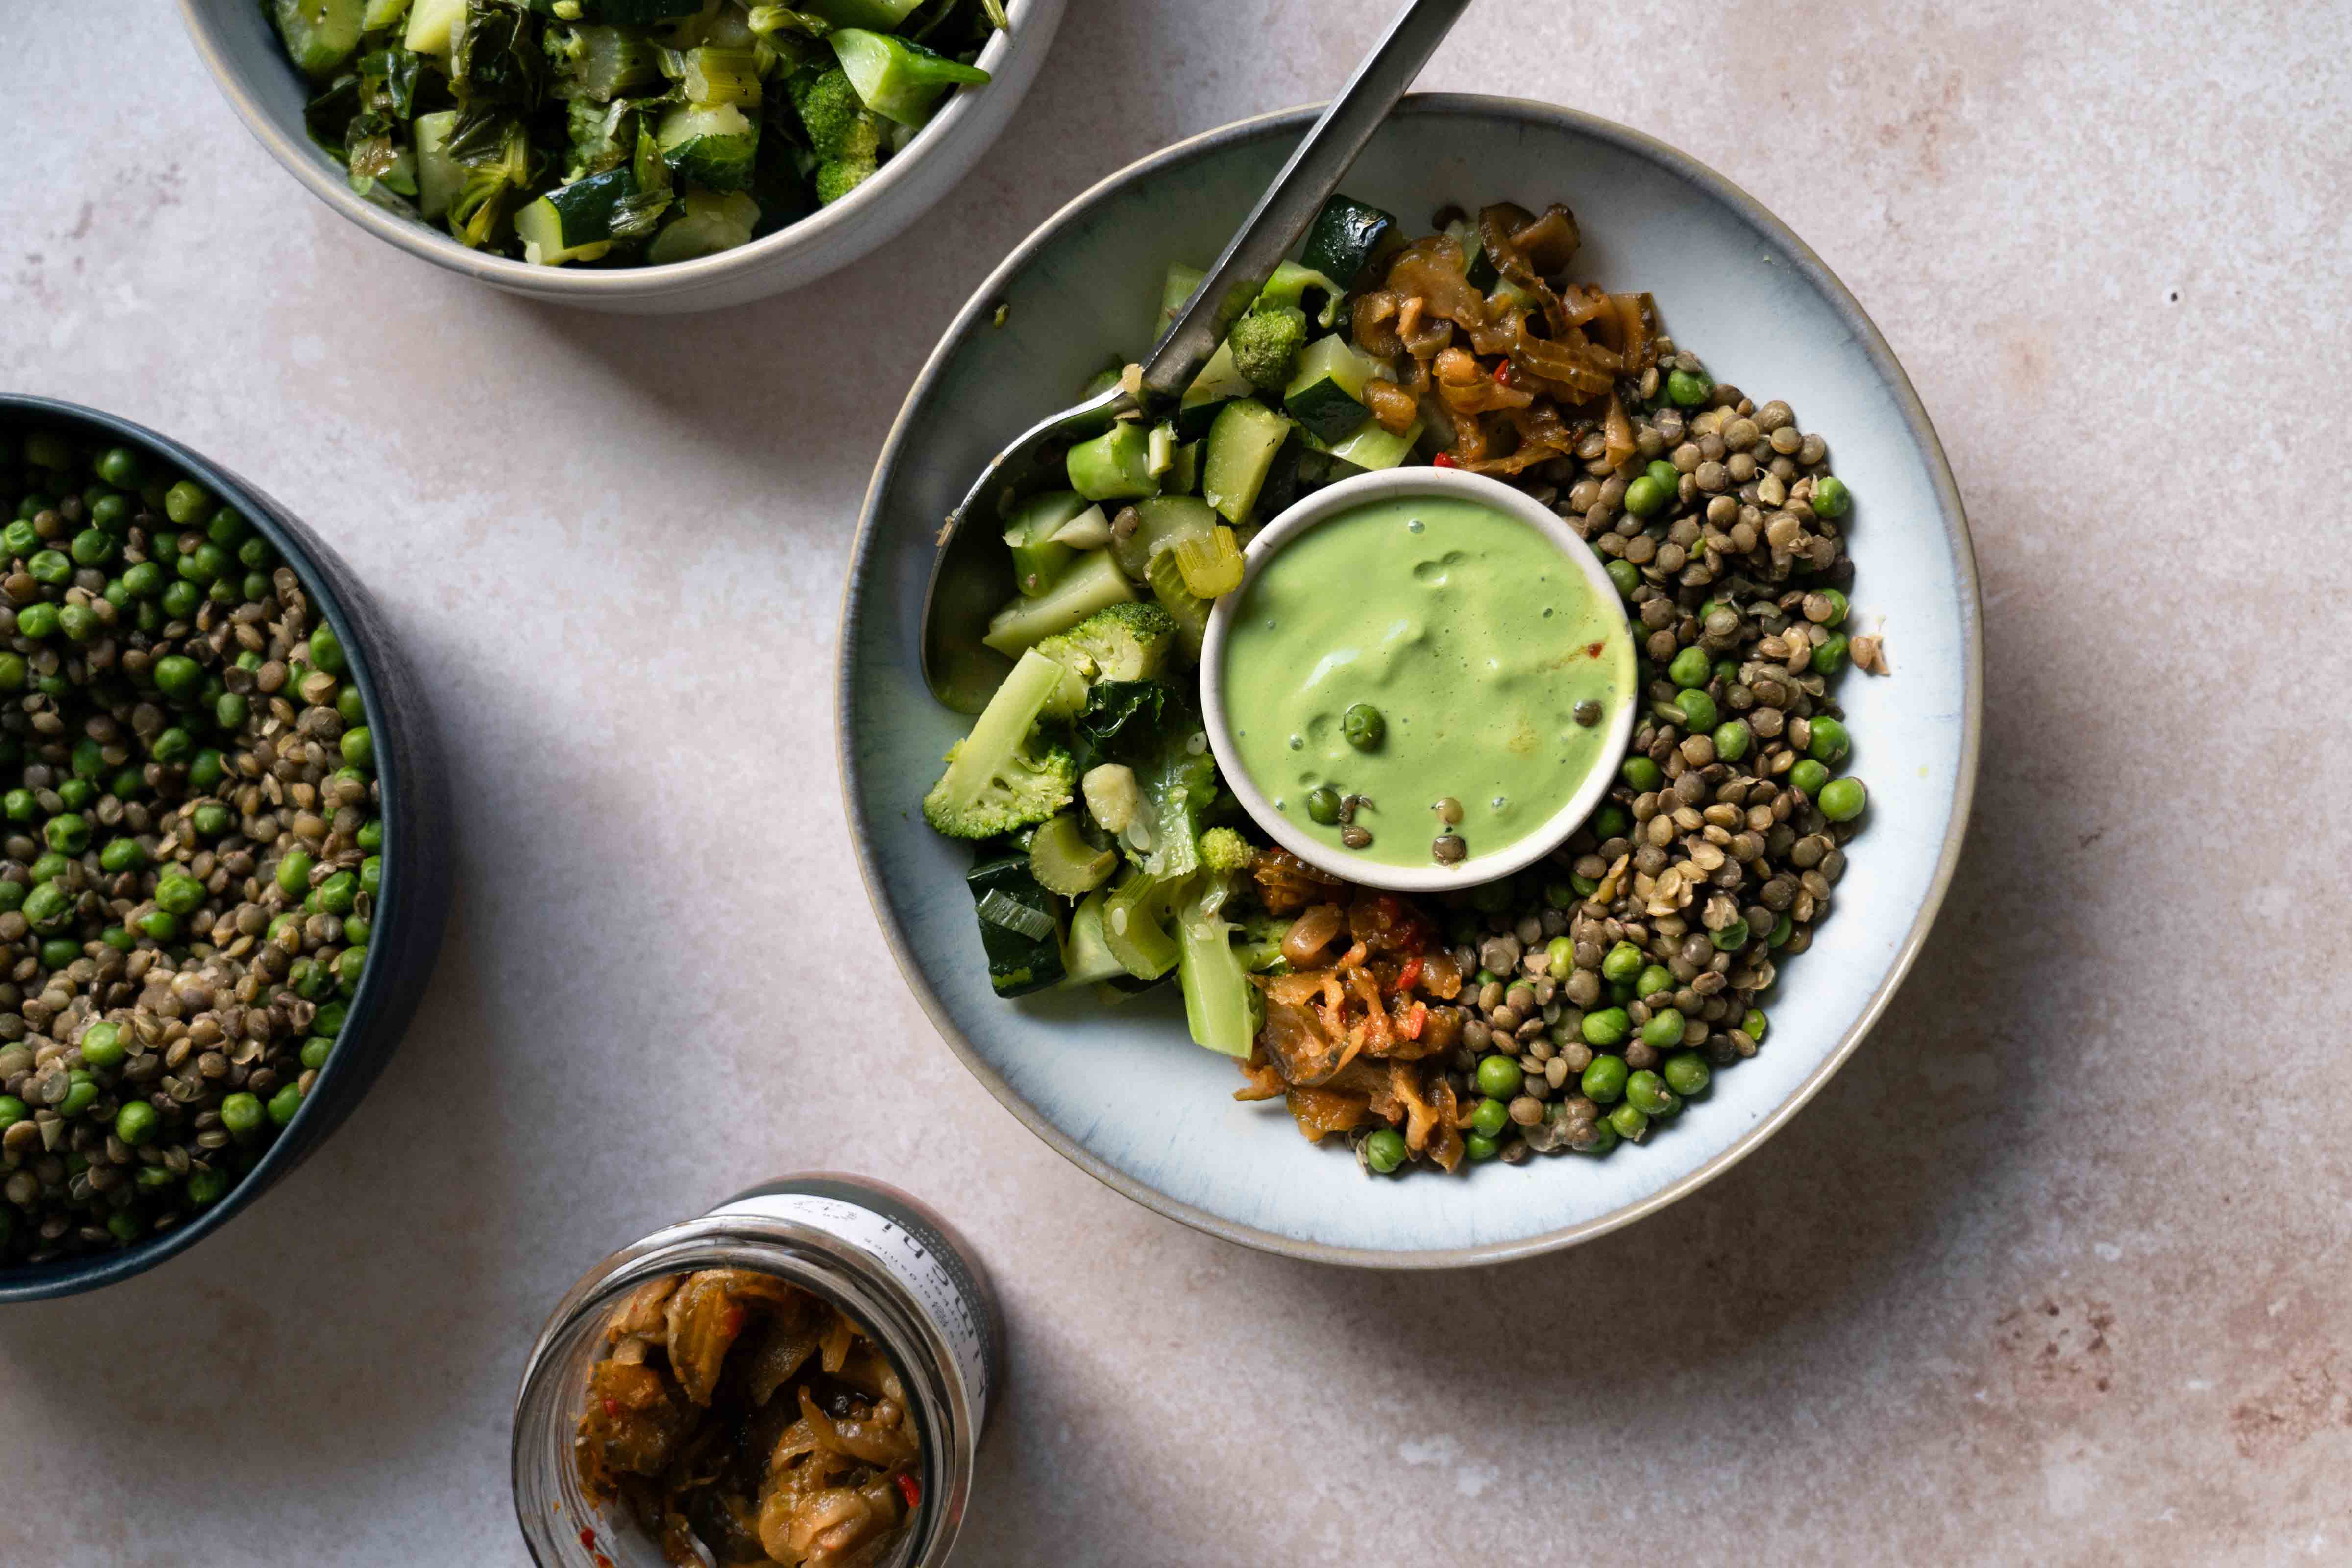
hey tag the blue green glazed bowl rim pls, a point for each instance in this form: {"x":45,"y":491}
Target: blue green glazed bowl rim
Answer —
{"x":320,"y":1109}
{"x":975,"y":316}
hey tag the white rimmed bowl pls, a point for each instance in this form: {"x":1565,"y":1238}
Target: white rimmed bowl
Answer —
{"x":1122,"y":1092}
{"x":241,"y":49}
{"x":1321,"y":507}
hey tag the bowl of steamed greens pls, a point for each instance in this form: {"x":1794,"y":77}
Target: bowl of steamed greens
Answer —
{"x":1267,"y":980}
{"x":633,"y":155}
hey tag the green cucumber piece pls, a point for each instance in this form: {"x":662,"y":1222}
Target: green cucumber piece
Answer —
{"x":1038,"y":561}
{"x":573,"y":222}
{"x":1185,"y":474}
{"x":1115,"y":465}
{"x":713,"y":221}
{"x":440,"y":177}
{"x":1344,"y":237}
{"x":710,"y":144}
{"x":1181,"y":284}
{"x":1160,"y":521}
{"x":1019,"y":959}
{"x":1219,"y":382}
{"x":1371,"y":447}
{"x":1087,"y":957}
{"x":1242,"y":448}
{"x":1092,"y":583}
{"x":897,"y":80}
{"x":1064,"y":863}
{"x":319,"y":35}
{"x":429,"y":25}
{"x":1326,"y":395}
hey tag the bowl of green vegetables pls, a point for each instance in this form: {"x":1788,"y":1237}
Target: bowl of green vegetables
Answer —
{"x":629,"y":155}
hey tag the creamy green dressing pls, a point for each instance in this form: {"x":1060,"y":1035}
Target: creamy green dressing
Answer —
{"x":1472,"y":635}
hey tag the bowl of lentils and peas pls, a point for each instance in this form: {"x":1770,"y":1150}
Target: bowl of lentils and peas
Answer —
{"x":219,"y":893}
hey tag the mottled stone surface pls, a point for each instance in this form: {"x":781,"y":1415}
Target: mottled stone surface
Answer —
{"x":2054,"y":1271}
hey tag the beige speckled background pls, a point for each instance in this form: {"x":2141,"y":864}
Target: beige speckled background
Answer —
{"x":2055,"y":1271}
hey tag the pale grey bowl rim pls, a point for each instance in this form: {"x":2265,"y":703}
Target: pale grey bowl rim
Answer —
{"x":310,"y":166}
{"x":1950,"y":514}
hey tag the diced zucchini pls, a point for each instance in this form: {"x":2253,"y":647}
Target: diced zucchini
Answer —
{"x":896,"y":78}
{"x":382,"y":13}
{"x":430,"y":22}
{"x":573,"y":222}
{"x":1371,"y":447}
{"x":1326,"y":395}
{"x":1190,"y":610}
{"x":1038,"y":561}
{"x":710,"y":144}
{"x":1115,"y":465}
{"x":1160,"y":521}
{"x":1087,"y":957}
{"x":1090,"y":530}
{"x":1064,"y":863}
{"x":880,"y":16}
{"x":440,"y":177}
{"x":1478,"y":267}
{"x":1219,"y":382}
{"x":1185,"y":473}
{"x":1019,"y":926}
{"x":715,"y":75}
{"x":1092,"y":583}
{"x":1242,"y":448}
{"x":319,"y":35}
{"x":1181,"y":284}
{"x":1344,"y":237}
{"x":611,"y":60}
{"x":713,"y":221}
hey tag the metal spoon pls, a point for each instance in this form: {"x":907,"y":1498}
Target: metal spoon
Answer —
{"x":970,"y":576}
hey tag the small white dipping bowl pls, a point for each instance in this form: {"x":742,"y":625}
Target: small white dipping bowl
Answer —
{"x":1391,"y":484}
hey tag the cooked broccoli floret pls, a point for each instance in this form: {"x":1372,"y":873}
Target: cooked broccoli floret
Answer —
{"x":1265,"y":343}
{"x":846,"y":136}
{"x":1224,"y":850}
{"x":996,"y":779}
{"x":1128,"y":641}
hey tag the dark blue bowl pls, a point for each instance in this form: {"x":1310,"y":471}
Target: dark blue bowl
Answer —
{"x":415,"y":899}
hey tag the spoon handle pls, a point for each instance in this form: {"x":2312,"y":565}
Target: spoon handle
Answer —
{"x":1299,"y":193}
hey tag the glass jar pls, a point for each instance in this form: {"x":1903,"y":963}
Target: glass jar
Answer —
{"x":896,"y":1269}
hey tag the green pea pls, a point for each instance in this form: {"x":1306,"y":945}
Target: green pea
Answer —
{"x":128,"y":783}
{"x":1490,"y":1117}
{"x":206,"y":770}
{"x":1630,"y":1122}
{"x":371,"y":874}
{"x":92,"y":547}
{"x":135,"y":1122}
{"x":1641,"y":773}
{"x":213,"y":820}
{"x":59,"y":952}
{"x":20,"y":806}
{"x":1604,"y":1080}
{"x":207,"y":1185}
{"x":1828,"y":741}
{"x":158,"y":925}
{"x":327,"y":650}
{"x":37,"y":621}
{"x":230,"y":711}
{"x":329,"y":1018}
{"x":254,"y":556}
{"x":186,"y":502}
{"x":285,"y":1103}
{"x":1648,"y":1093}
{"x":226,"y":529}
{"x":1829,"y":657}
{"x":53,"y":567}
{"x":180,"y":599}
{"x":12,"y":672}
{"x":1687,"y":1073}
{"x":80,"y":623}
{"x":205,"y":564}
{"x":1583,"y":887}
{"x":1807,"y":777}
{"x":1621,"y":962}
{"x":1657,"y":978}
{"x":13,"y":1111}
{"x":1839,"y":606}
{"x":1560,"y":956}
{"x":1663,"y":1029}
{"x":294,"y":873}
{"x":20,"y":538}
{"x":1830,"y":498}
{"x":1607,"y":1026}
{"x":1732,"y":738}
{"x":119,"y":937}
{"x":1689,"y":669}
{"x":370,"y":837}
{"x":1625,"y":574}
{"x":1645,"y":494}
{"x":1480,"y":1147}
{"x":124,"y":1225}
{"x":48,"y":449}
{"x":177,"y":675}
{"x":241,"y":1112}
{"x":47,"y":906}
{"x":1753,"y":1023}
{"x":121,"y":855}
{"x":120,"y":466}
{"x":1688,"y":389}
{"x":339,"y":893}
{"x":1385,"y":1149}
{"x":155,"y":1178}
{"x":349,"y":706}
{"x":1843,"y":800}
{"x":143,"y":580}
{"x":49,"y":866}
{"x":179,"y":893}
{"x":11,"y":894}
{"x":80,"y":1093}
{"x":1782,"y":930}
{"x":1731,"y":938}
{"x":1559,"y":895}
{"x":111,"y":512}
{"x":1698,"y":710}
{"x":1665,"y":473}
{"x":66,"y":833}
{"x":1499,"y":1076}
{"x":102,"y":1046}
{"x":1604,"y":1139}
{"x":1364,"y":726}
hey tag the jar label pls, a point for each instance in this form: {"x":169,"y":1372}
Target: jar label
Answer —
{"x":918,"y":1260}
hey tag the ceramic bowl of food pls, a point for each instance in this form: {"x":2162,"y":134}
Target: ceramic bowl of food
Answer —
{"x":1804,"y":894}
{"x":167,"y":1127}
{"x":1468,"y":604}
{"x":942,"y":133}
